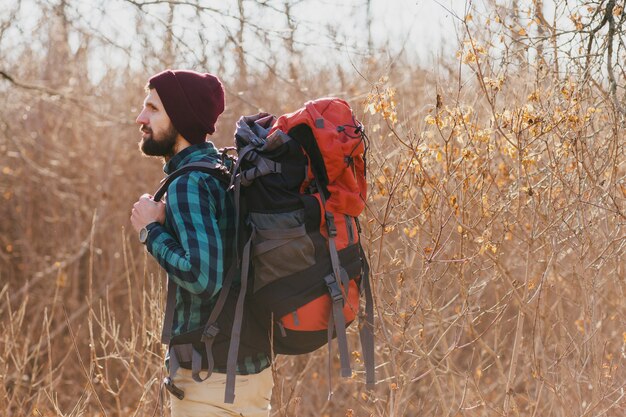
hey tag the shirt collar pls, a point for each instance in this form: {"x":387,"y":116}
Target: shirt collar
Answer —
{"x":189,"y":154}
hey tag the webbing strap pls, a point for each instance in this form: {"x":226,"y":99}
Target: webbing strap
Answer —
{"x":332,"y":232}
{"x":349,"y":229}
{"x":219,"y":171}
{"x":196,"y":366}
{"x":211,"y":330}
{"x":262,"y":166}
{"x":174,"y":361}
{"x":338,"y":271}
{"x":188,"y":353}
{"x":168,"y":320}
{"x":340,"y":324}
{"x":235,"y":336}
{"x":178,"y":354}
{"x":331,"y":326}
{"x":208,"y":348}
{"x":366,"y":330}
{"x":337,"y":293}
{"x":242,"y":154}
{"x":319,"y":120}
{"x":276,"y":238}
{"x":236,"y":185}
{"x":332,"y":246}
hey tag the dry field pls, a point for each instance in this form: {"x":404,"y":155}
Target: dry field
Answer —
{"x":495,"y":224}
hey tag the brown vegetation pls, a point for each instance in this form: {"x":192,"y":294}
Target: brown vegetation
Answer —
{"x":495,"y":225}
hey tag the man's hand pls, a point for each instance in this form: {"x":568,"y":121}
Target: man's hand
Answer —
{"x":146,"y":211}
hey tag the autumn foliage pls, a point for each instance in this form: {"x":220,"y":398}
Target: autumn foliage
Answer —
{"x":495,"y":225}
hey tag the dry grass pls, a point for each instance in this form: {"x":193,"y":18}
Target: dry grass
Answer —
{"x":495,"y":227}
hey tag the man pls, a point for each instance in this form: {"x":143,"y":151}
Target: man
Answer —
{"x":191,"y":234}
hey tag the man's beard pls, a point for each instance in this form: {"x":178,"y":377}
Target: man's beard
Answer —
{"x":159,"y":146}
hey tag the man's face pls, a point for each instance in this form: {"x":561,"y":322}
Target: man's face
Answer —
{"x":158,"y":134}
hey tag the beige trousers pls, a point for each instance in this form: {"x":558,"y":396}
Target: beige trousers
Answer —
{"x":204,"y":399}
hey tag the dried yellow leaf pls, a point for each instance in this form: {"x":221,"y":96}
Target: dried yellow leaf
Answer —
{"x":580,"y":325}
{"x":61,"y":280}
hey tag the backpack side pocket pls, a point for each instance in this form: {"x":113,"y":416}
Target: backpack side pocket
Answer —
{"x":281,"y":246}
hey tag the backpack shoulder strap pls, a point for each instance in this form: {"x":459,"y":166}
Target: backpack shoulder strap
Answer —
{"x":217,"y":170}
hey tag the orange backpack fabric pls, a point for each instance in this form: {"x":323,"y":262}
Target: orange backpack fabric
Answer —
{"x":343,"y":153}
{"x":347,"y":187}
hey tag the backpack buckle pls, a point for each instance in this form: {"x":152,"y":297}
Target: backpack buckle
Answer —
{"x":210,"y":332}
{"x":333,"y":288}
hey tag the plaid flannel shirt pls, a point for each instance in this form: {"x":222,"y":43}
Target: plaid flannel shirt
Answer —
{"x":194,"y":245}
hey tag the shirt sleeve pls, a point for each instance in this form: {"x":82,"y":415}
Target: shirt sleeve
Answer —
{"x":190,"y":248}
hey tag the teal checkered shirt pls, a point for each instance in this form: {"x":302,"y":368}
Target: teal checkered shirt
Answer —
{"x":195,"y":245}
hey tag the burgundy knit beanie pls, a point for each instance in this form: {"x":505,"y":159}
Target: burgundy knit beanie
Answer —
{"x":192,"y":100}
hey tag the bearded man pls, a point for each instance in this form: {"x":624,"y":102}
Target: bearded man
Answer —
{"x":191,"y":237}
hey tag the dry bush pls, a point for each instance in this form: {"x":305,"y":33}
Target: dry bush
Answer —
{"x":495,"y":225}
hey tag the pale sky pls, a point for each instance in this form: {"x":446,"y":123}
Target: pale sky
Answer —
{"x":426,"y":28}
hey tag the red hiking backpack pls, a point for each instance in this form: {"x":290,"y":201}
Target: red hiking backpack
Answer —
{"x":299,"y":185}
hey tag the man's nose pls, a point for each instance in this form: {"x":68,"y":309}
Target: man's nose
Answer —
{"x":142,"y":119}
